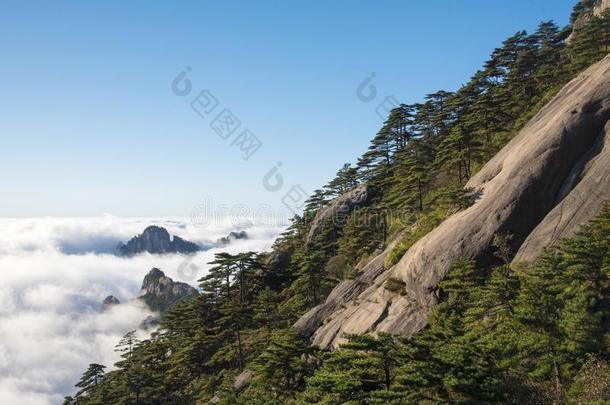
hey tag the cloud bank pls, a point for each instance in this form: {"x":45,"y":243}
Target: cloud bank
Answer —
{"x":55,"y":273}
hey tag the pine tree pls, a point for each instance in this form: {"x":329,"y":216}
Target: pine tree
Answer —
{"x":591,"y":42}
{"x":311,"y":280}
{"x":456,"y":154}
{"x":363,"y":366}
{"x":216,"y":285}
{"x":282,"y":365}
{"x":345,"y":180}
{"x":90,"y":379}
{"x":412,"y":176}
{"x":229,"y":286}
{"x":127,"y":344}
{"x":364,"y":232}
{"x":266,"y":308}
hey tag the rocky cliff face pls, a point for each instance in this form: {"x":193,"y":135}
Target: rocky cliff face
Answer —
{"x":160,"y":292}
{"x":598,"y":9}
{"x":601,"y":6}
{"x":336,"y":213}
{"x":580,"y":199}
{"x":156,"y":240}
{"x":552,"y":177}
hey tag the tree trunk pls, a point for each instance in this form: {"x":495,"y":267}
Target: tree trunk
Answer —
{"x":387,"y":378}
{"x":421,"y":197}
{"x":239,"y":351}
{"x":558,"y":384}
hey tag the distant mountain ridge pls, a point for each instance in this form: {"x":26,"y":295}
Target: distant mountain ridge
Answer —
{"x":157,"y":240}
{"x":233,"y":236}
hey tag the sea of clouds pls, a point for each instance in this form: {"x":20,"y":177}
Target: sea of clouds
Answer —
{"x":55,"y":272}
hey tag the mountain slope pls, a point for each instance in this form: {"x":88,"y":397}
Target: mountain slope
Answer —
{"x":523,"y":183}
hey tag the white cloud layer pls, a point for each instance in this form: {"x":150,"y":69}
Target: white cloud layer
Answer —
{"x":55,"y":272}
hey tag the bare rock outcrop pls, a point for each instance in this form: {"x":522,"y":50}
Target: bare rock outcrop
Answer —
{"x":584,"y":192}
{"x":232,"y":237}
{"x":343,"y":293}
{"x":335,"y":214}
{"x":538,"y":180}
{"x":160,"y":292}
{"x":279,"y":259}
{"x":598,"y":9}
{"x":110,"y":301}
{"x":156,"y":240}
{"x":601,"y":6}
{"x":242,"y":380}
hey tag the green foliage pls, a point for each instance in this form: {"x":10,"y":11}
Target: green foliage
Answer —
{"x":592,"y":382}
{"x":592,"y":42}
{"x":281,"y":367}
{"x":532,"y":336}
{"x":90,"y":379}
{"x":338,"y":268}
{"x":581,"y":9}
{"x":363,"y":365}
{"x":395,"y":285}
{"x":424,"y":225}
{"x":364,"y":232}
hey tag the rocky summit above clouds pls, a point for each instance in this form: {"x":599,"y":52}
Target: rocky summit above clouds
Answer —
{"x":160,"y":292}
{"x":110,"y":301}
{"x":157,"y":240}
{"x":233,"y":236}
{"x":550,"y":179}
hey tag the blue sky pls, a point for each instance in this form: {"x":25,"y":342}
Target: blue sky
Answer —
{"x":89,"y":124}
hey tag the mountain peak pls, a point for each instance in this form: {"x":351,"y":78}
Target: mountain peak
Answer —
{"x":233,"y":236}
{"x":157,"y":240}
{"x":110,"y":301}
{"x":160,"y":292}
